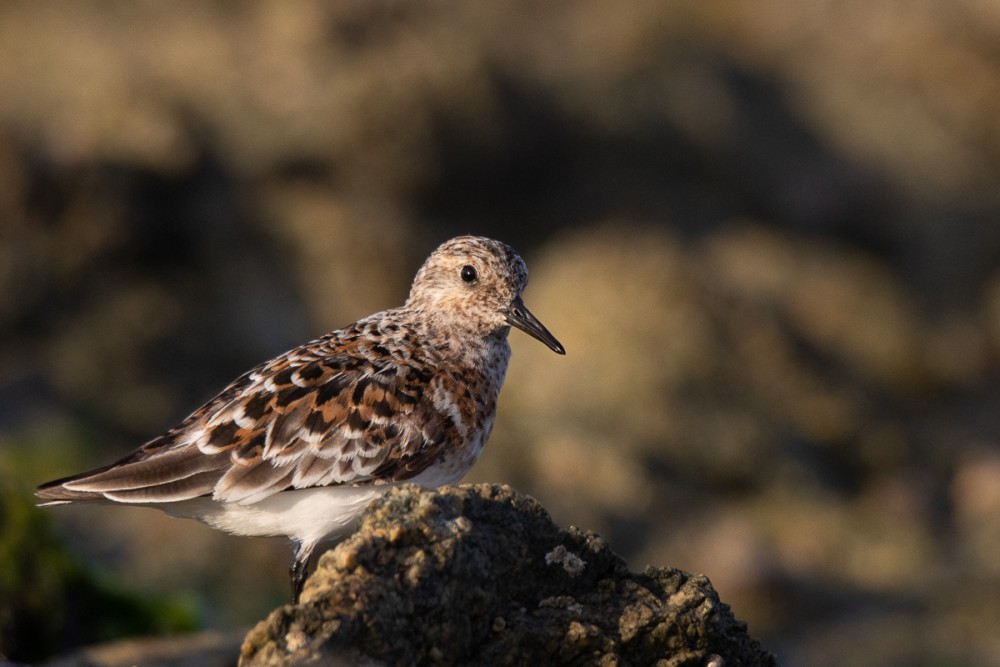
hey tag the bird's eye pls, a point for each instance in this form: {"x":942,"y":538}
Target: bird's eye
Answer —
{"x":469,"y":274}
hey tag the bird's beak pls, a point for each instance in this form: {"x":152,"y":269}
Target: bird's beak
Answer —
{"x":520,"y":317}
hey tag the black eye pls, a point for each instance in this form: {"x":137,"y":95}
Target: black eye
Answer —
{"x":469,"y":274}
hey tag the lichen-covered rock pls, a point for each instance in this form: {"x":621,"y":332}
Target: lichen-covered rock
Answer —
{"x":480,"y":575}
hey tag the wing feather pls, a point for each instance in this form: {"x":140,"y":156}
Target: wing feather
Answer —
{"x":328,"y":413}
{"x":196,"y":485}
{"x":168,"y":467}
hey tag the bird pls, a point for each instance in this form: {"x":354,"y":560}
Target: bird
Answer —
{"x":299,"y":445}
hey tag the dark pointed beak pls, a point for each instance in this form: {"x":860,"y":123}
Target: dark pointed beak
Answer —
{"x":520,"y":317}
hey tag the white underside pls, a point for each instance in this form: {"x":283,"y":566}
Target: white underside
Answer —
{"x":308,"y":516}
{"x":305,"y":515}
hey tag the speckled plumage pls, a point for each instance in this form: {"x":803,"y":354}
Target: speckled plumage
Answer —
{"x":299,"y":445}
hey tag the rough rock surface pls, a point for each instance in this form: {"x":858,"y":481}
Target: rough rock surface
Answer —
{"x":481,"y":575}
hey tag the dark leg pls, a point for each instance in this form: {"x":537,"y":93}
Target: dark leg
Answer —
{"x":298,"y":569}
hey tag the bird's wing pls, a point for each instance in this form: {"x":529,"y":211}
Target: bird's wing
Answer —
{"x":323,"y":414}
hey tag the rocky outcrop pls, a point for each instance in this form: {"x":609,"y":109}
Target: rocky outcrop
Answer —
{"x":480,"y":575}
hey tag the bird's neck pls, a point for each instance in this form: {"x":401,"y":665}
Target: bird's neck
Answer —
{"x":455,"y":341}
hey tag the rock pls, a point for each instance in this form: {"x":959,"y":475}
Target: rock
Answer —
{"x":481,"y":575}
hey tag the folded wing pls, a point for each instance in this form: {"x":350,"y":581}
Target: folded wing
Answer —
{"x":320,"y":415}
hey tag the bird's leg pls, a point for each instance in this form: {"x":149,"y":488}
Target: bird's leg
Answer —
{"x":298,"y":568}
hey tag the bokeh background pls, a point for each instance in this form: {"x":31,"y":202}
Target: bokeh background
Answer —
{"x":767,"y":234}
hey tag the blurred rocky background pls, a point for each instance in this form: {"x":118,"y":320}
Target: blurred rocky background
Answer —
{"x":767,"y":234}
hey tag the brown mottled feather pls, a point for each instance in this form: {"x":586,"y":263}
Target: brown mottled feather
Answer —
{"x":277,"y":427}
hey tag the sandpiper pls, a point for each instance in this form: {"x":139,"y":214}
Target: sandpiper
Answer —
{"x":300,"y":445}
